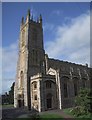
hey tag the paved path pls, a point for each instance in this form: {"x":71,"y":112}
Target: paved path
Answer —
{"x":13,"y":113}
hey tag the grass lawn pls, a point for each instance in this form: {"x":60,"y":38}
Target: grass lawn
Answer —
{"x":7,"y":106}
{"x":67,"y":111}
{"x":47,"y":115}
{"x":43,"y":116}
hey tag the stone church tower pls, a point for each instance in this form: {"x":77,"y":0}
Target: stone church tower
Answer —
{"x":31,"y":58}
{"x":43,"y":83}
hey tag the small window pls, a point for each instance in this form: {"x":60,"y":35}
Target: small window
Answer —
{"x":35,"y":97}
{"x":35,"y":85}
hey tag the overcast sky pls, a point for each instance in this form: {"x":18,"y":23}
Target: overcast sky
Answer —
{"x":66,"y":33}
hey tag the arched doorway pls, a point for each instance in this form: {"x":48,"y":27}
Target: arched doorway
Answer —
{"x":49,"y":101}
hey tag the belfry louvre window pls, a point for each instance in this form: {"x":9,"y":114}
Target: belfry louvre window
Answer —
{"x":48,"y":84}
{"x":65,"y":90}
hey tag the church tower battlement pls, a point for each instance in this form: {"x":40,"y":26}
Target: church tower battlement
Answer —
{"x":31,"y":41}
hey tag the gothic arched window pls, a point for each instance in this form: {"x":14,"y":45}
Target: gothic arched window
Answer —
{"x":49,"y":95}
{"x":75,"y":83}
{"x":84,"y":82}
{"x":48,"y":84}
{"x":65,"y":90}
{"x":75,"y":89}
{"x":65,"y":81}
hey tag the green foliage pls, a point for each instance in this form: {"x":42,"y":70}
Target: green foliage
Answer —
{"x":82,"y":102}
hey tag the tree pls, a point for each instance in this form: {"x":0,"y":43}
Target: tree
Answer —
{"x":9,"y":98}
{"x":82,"y":102}
{"x":11,"y":94}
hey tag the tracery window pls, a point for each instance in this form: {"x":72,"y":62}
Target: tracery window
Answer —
{"x":34,"y":56}
{"x":75,"y":83}
{"x":48,"y":84}
{"x":84,"y":82}
{"x":34,"y":37}
{"x":65,"y":84}
{"x":65,"y":90}
{"x":75,"y":88}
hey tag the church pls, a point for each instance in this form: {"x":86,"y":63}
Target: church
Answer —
{"x":41,"y":82}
